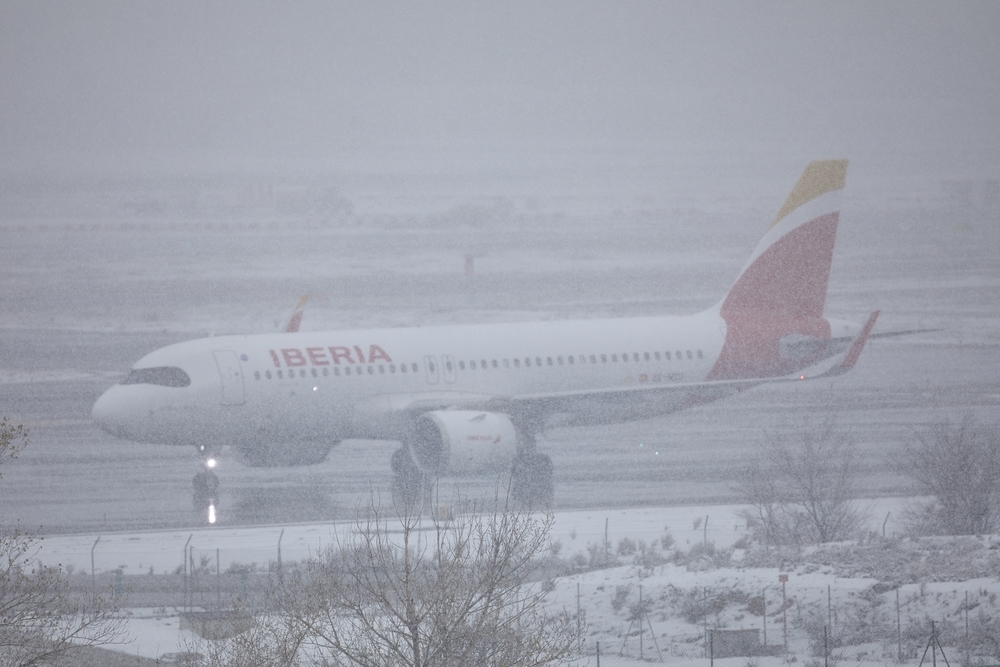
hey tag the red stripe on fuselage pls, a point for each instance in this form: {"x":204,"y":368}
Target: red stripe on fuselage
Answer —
{"x":782,"y":293}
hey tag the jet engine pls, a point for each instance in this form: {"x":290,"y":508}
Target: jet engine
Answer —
{"x":462,"y":442}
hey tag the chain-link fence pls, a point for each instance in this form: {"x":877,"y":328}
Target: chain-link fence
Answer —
{"x":869,"y":626}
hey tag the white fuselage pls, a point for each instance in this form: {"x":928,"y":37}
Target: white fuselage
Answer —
{"x":331,"y":385}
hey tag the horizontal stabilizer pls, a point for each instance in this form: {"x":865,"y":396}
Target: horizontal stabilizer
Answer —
{"x":857,"y":346}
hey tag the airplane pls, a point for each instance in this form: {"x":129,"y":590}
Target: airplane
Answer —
{"x":471,"y":398}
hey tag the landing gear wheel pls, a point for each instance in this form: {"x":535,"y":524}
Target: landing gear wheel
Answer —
{"x":532,"y":486}
{"x":407,"y":483}
{"x":206,"y":490}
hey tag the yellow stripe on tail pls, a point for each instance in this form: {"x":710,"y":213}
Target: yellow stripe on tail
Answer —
{"x":819,"y":177}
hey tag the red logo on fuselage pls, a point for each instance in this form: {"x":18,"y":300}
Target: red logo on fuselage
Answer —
{"x":325,"y":356}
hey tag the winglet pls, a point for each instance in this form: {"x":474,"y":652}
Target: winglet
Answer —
{"x":296,"y":319}
{"x":852,"y":355}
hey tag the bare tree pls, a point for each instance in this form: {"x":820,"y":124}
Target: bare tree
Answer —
{"x":271,"y":637}
{"x":803,"y":493}
{"x":447,"y":593}
{"x":40,"y":621}
{"x":958,"y":465}
{"x":13,"y":439}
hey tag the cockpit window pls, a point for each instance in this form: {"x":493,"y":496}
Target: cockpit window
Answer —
{"x":165,"y":376}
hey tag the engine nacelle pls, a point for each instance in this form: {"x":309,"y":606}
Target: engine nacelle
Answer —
{"x":460,"y":442}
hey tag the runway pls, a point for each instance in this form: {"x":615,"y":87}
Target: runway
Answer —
{"x":82,"y":303}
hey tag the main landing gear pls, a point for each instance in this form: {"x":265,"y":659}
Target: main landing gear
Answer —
{"x":206,"y":487}
{"x":531,"y":481}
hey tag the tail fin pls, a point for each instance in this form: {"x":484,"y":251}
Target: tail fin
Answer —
{"x":788,"y":272}
{"x":780,"y":294}
{"x":296,"y":319}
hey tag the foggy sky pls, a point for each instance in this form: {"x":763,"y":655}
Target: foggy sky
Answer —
{"x":148,"y":86}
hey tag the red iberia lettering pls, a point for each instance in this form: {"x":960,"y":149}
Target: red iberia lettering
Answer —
{"x":360,"y":355}
{"x":376,"y":352}
{"x":317,"y":356}
{"x":338,"y":353}
{"x":293,"y":357}
{"x":274,"y":358}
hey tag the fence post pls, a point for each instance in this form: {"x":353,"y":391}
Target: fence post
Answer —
{"x":281,"y":576}
{"x":968,"y":656}
{"x":826,"y":648}
{"x":641,"y":614}
{"x":598,"y":654}
{"x":899,"y":631}
{"x":186,"y":570}
{"x":711,"y":648}
{"x":579,"y":622}
{"x":93,"y":576}
{"x":763,"y":600}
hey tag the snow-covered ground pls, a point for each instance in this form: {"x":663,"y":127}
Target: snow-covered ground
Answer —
{"x":691,"y":566}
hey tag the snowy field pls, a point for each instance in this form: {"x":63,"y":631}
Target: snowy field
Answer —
{"x":688,"y":565}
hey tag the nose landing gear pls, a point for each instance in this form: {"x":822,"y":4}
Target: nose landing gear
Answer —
{"x":206,"y":487}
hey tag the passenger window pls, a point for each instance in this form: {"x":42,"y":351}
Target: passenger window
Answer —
{"x":570,"y":358}
{"x":336,"y":371}
{"x":645,"y":355}
{"x":593,"y":359}
{"x":625,"y":357}
{"x":635,"y":357}
{"x":314,"y":373}
{"x":538,"y":361}
{"x":517,"y":363}
{"x":267,"y":374}
{"x":700,"y":355}
{"x":402,"y":368}
{"x":656,"y":355}
{"x":668,"y":355}
{"x":614,"y":358}
{"x":414,"y":367}
{"x":461,"y":365}
{"x":679,"y":355}
{"x":280,"y":376}
{"x":392,"y":368}
{"x":690,"y":356}
{"x":482,"y":364}
{"x":604,"y":358}
{"x":256,"y":375}
{"x":559,"y":360}
{"x":371,"y":370}
{"x":548,"y":360}
{"x":430,"y":366}
{"x":494,"y":363}
{"x":381,"y":369}
{"x":506,"y":363}
{"x":447,"y":365}
{"x":325,"y":373}
{"x":347,"y":370}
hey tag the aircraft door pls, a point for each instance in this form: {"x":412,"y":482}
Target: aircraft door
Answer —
{"x":231,"y":374}
{"x":448,"y":368}
{"x":430,"y":363}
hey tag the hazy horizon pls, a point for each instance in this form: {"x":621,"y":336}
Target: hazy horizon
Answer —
{"x":124,"y":88}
